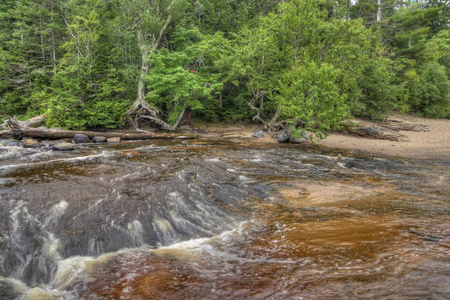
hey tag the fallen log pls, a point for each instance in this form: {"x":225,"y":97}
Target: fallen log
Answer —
{"x":52,"y":134}
{"x":406,"y":127}
{"x":18,"y":131}
{"x":376,"y":133}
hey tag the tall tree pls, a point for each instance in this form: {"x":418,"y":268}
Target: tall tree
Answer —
{"x":378,"y":10}
{"x":150,"y":21}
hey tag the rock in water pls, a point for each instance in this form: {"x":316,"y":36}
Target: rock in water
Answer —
{"x":114,"y":140}
{"x":129,"y":153}
{"x":80,"y":138}
{"x":12,"y":144}
{"x":99,"y":139}
{"x":32,"y":143}
{"x":63,"y":147}
{"x":283,"y":137}
{"x":48,"y":144}
{"x":66,"y":140}
{"x":258,"y":134}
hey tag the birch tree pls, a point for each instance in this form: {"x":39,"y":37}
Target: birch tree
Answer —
{"x":150,"y":22}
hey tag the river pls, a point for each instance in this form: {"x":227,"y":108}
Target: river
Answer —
{"x":209,"y":219}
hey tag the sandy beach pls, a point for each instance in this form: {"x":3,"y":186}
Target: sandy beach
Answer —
{"x":434,"y":144}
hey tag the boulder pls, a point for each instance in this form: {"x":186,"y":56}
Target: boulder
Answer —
{"x":307,"y":135}
{"x":296,"y":140}
{"x":63,"y":147}
{"x":258,"y":134}
{"x":32,"y":143}
{"x":80,"y":138}
{"x":283,"y":137}
{"x":99,"y":139}
{"x":303,"y":139}
{"x":113,"y":140}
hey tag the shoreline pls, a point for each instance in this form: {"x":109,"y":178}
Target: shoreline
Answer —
{"x":431,"y":145}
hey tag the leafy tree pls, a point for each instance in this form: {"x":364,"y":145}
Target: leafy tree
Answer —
{"x":183,"y":79}
{"x":150,"y":20}
{"x":430,"y":94}
{"x":420,"y":47}
{"x":89,"y":87}
{"x":91,"y":63}
{"x":311,"y":99}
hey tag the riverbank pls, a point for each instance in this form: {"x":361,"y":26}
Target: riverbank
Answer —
{"x":433,"y":144}
{"x":430,"y":141}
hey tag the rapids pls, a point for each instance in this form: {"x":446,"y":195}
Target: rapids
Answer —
{"x":221,"y":220}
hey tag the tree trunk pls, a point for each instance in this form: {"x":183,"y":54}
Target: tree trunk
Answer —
{"x":347,"y":12}
{"x":140,"y":108}
{"x":53,"y":40}
{"x":379,"y":11}
{"x":164,"y":125}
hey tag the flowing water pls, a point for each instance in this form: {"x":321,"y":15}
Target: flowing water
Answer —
{"x":221,"y":220}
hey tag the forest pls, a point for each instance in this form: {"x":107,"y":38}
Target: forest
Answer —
{"x":300,"y":64}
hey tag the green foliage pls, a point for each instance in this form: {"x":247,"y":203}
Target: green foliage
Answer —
{"x":83,"y":62}
{"x":378,"y":92}
{"x":185,"y":77}
{"x":366,"y":77}
{"x":430,"y":94}
{"x":310,"y":96}
{"x":420,"y":41}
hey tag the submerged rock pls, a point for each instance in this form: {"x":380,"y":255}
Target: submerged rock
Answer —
{"x":48,"y":143}
{"x":99,"y":139}
{"x":129,"y":153}
{"x":283,"y":137}
{"x":258,"y":134}
{"x":80,"y":138}
{"x":63,"y":147}
{"x":114,"y":140}
{"x":12,"y":143}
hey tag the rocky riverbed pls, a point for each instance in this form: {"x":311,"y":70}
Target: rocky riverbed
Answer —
{"x":214,"y":219}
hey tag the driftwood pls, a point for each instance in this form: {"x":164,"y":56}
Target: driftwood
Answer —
{"x":376,"y":133}
{"x":16,"y":130}
{"x":32,"y":122}
{"x":398,"y":126}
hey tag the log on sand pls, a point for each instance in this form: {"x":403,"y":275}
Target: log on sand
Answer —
{"x":376,"y":133}
{"x":16,"y":130}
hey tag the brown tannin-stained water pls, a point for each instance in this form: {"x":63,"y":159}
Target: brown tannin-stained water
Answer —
{"x":221,"y":220}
